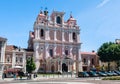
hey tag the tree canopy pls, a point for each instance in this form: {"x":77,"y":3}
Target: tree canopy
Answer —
{"x":30,"y":65}
{"x":109,"y":52}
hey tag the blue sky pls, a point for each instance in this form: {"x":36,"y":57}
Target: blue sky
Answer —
{"x":99,"y":20}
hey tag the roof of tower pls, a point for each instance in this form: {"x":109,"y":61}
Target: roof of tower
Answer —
{"x":71,"y":18}
{"x":41,"y":13}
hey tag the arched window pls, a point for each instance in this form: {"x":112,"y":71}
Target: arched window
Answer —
{"x":92,"y":61}
{"x":42,"y":33}
{"x":58,"y":20}
{"x":66,"y":52}
{"x":74,"y":36}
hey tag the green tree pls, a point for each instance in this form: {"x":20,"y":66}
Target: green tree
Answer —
{"x":109,"y":52}
{"x":30,"y":65}
{"x":104,"y":53}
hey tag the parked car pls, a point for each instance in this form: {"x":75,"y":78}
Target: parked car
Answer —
{"x":83,"y":74}
{"x":117,"y":72}
{"x":108,"y":73}
{"x":92,"y":74}
{"x":113,"y":73}
{"x":101,"y":73}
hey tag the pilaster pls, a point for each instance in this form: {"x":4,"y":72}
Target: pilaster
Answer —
{"x":63,"y":38}
{"x":78,"y":37}
{"x":63,"y":51}
{"x":24,"y":61}
{"x":55,"y":38}
{"x":47,"y":50}
{"x":55,"y":49}
{"x":13,"y":59}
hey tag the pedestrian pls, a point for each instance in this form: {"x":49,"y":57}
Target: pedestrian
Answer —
{"x":14,"y":74}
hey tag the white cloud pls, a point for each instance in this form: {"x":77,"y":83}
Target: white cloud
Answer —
{"x":102,"y":3}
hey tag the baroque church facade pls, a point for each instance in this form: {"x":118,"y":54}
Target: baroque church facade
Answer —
{"x":56,"y":43}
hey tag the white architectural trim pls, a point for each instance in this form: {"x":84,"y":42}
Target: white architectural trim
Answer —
{"x":55,"y":38}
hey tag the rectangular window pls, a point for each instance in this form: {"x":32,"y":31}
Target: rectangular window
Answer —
{"x":16,"y":59}
{"x":51,"y":52}
{"x":21,"y":60}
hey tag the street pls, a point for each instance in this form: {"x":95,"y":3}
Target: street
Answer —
{"x":63,"y":81}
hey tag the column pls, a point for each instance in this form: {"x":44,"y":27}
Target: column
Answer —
{"x":46,"y":34}
{"x":63,"y":51}
{"x":55,"y":49}
{"x":74,"y":66}
{"x":71,"y":50}
{"x":36,"y":54}
{"x":88,"y":63}
{"x":80,"y":59}
{"x":38,"y":33}
{"x":3,"y":51}
{"x":58,"y":66}
{"x":68,"y":66}
{"x":63,"y":38}
{"x":24,"y":61}
{"x":62,"y":21}
{"x":46,"y":50}
{"x":61,"y":66}
{"x":35,"y":33}
{"x":70,"y":37}
{"x":47,"y":37}
{"x":54,"y":20}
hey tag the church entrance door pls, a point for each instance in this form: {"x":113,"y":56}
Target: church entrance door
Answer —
{"x":64,"y":68}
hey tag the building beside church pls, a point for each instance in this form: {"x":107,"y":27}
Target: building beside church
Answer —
{"x":90,"y":60}
{"x":56,"y":43}
{"x":16,"y":56}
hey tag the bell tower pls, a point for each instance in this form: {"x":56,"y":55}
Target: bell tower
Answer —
{"x":57,"y":18}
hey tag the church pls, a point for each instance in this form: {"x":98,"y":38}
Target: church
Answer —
{"x":56,"y":43}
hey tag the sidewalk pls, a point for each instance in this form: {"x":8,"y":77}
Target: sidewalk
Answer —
{"x":45,"y":78}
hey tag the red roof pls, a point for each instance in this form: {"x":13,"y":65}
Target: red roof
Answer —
{"x":88,"y":53}
{"x":10,"y":47}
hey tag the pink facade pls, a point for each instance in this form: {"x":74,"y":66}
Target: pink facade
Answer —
{"x":54,"y":41}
